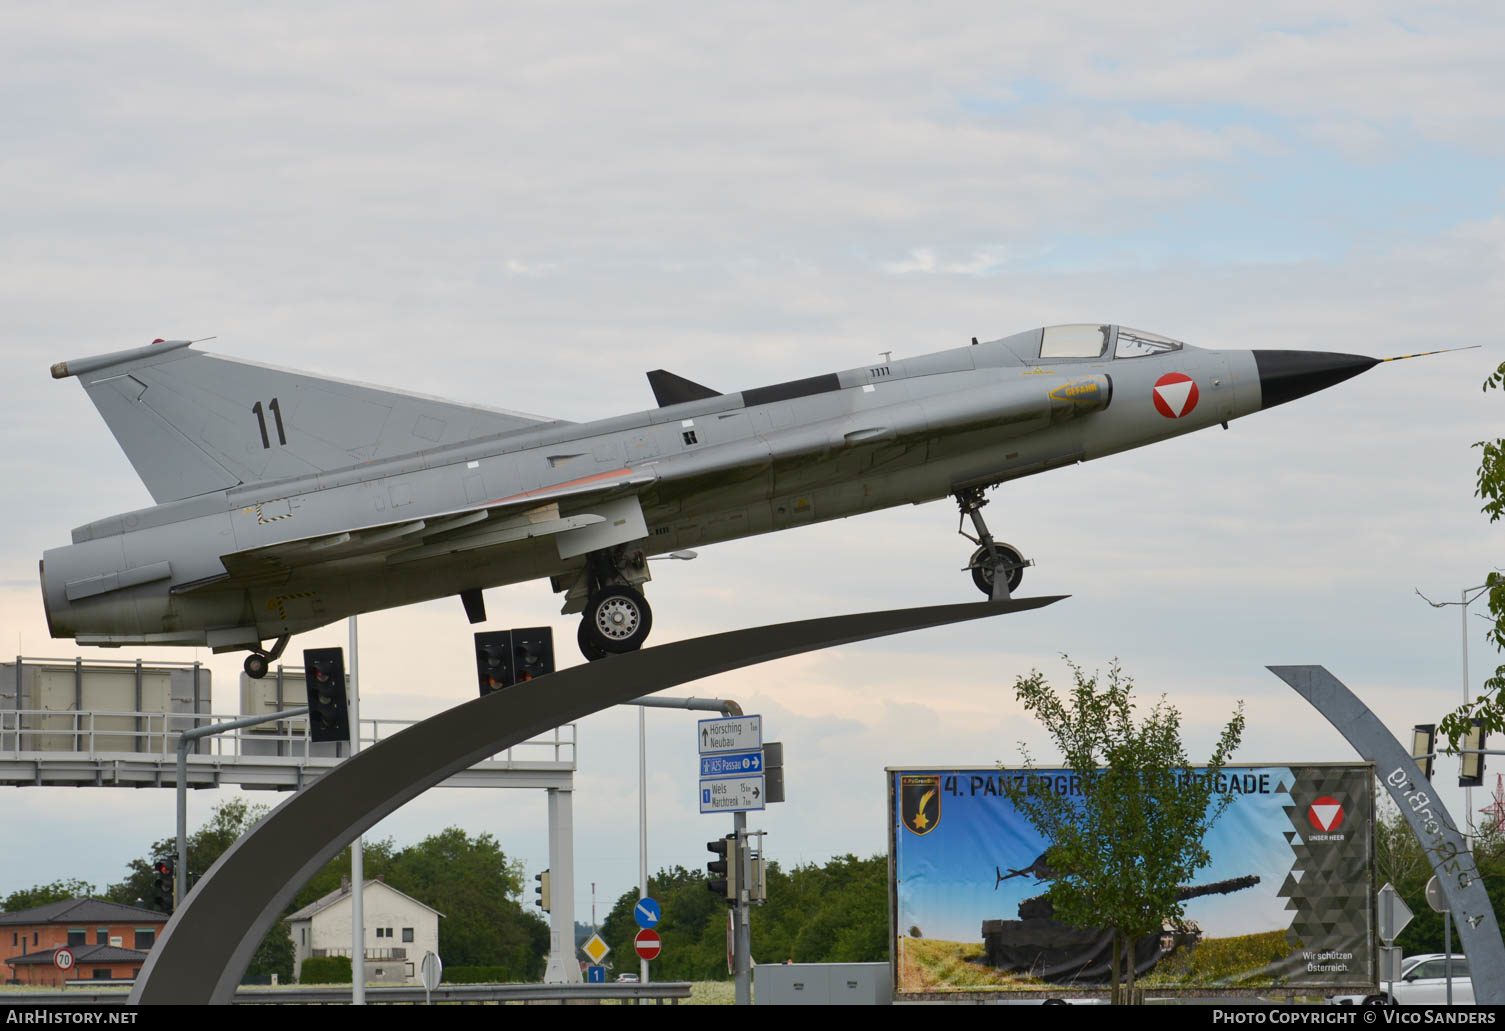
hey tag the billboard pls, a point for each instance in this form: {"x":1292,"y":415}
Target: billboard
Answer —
{"x":1287,"y":900}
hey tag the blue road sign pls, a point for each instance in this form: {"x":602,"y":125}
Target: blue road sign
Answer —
{"x":647,"y":913}
{"x":595,"y":974}
{"x":731,"y":764}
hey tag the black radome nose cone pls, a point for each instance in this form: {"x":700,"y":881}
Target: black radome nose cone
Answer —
{"x":1286,"y":375}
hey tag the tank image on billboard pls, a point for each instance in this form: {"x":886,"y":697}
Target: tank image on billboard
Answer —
{"x":1286,"y":902}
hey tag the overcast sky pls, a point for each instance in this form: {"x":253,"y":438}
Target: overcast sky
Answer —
{"x":529,"y":205}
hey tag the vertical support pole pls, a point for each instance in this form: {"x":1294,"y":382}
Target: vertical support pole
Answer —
{"x":198,"y":706}
{"x":357,"y":855}
{"x":181,"y":874}
{"x":78,"y":699}
{"x":562,"y":967}
{"x":740,"y":928}
{"x":642,"y":824}
{"x":1447,"y":951}
{"x":283,"y":747}
{"x":140,"y":746}
{"x":1468,"y":793}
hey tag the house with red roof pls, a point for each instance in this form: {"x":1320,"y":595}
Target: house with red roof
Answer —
{"x":107,"y":941}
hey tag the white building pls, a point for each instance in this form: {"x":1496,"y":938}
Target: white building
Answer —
{"x":399,"y":930}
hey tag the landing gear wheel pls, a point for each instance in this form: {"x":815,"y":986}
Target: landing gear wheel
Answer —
{"x":256,"y":666}
{"x":982,"y":571}
{"x":587,"y":646}
{"x":616,"y":620}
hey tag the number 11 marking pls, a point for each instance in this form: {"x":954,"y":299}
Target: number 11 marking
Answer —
{"x":261,"y":421}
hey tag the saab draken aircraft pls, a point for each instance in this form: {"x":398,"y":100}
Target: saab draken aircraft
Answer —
{"x":286,"y":501}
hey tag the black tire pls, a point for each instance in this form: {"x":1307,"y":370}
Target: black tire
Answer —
{"x":256,"y":666}
{"x":982,"y":573}
{"x":616,"y":620}
{"x":587,"y":646}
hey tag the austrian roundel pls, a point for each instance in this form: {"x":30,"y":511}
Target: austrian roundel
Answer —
{"x":1326,"y":813}
{"x":1175,"y":395}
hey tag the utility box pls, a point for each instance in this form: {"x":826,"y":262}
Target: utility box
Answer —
{"x":61,"y":706}
{"x":284,"y":687}
{"x":822,"y":984}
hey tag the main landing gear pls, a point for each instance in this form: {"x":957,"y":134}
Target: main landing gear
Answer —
{"x":259,"y":661}
{"x":997,"y":569}
{"x":616,"y":618}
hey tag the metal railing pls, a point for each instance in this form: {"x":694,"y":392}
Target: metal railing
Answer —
{"x":102,"y":735}
{"x":89,"y":994}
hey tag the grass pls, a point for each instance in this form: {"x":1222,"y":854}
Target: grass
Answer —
{"x":929,"y":965}
{"x":1239,"y":962}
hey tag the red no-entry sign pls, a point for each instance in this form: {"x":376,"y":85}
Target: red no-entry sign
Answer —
{"x":648,"y":944}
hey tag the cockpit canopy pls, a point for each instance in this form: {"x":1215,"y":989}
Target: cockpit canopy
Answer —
{"x":1085,"y":340}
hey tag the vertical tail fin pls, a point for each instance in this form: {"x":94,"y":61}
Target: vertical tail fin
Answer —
{"x":192,"y":422}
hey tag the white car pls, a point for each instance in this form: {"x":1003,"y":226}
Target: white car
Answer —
{"x":1423,"y":983}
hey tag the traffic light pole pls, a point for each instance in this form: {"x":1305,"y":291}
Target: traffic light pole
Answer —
{"x":741,"y":913}
{"x":357,"y":847}
{"x":185,"y":739}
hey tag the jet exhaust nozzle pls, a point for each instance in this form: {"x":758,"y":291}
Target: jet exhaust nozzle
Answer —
{"x":1286,"y":375}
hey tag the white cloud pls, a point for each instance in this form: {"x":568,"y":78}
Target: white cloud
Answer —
{"x":531,"y":206}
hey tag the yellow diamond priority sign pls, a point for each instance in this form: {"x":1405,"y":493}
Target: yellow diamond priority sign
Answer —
{"x":596,"y":949}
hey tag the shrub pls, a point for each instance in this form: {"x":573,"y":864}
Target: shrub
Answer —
{"x":326,"y":970}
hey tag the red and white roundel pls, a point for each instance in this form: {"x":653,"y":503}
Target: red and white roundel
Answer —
{"x":1175,"y":395}
{"x":1326,"y":814}
{"x":648,"y":944}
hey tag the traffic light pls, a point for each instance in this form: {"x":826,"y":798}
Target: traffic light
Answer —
{"x":542,"y":891}
{"x":1471,"y":769}
{"x":723,"y":870}
{"x":1423,"y":741}
{"x":162,"y":886}
{"x":532,"y":652}
{"x":507,"y":657}
{"x":324,"y":676}
{"x":494,"y":669}
{"x":757,"y":878}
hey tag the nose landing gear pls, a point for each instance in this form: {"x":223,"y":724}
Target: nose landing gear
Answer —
{"x":997,"y":569}
{"x":260,"y":660}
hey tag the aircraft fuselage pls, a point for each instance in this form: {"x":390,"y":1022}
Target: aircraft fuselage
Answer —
{"x":714,"y":469}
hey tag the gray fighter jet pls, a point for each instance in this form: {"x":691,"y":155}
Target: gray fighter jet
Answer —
{"x":286,"y":501}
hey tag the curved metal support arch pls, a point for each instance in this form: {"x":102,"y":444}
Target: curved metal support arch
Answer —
{"x":208,"y":943}
{"x":1445,"y":848}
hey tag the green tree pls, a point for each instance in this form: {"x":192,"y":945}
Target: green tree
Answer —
{"x":228,"y":820}
{"x":693,"y":928}
{"x":1120,"y":848}
{"x":1488,"y":706}
{"x":472,"y":883}
{"x":815,"y":914}
{"x":377,"y":861}
{"x":41,"y":894}
{"x":275,"y":955}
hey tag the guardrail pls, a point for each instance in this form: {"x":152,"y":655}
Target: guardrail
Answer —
{"x":462,"y":994}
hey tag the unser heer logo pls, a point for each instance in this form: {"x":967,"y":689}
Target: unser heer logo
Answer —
{"x":1325,"y":815}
